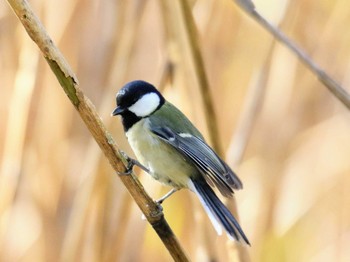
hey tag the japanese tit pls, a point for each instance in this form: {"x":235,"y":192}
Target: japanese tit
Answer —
{"x":174,"y":152}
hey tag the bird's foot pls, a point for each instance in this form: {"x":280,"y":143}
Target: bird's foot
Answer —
{"x":131,"y":163}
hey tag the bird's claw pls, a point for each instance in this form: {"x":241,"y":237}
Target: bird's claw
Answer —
{"x":131,"y":163}
{"x":159,"y":205}
{"x":128,"y":169}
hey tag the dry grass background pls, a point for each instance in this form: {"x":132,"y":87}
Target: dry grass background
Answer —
{"x":61,"y":201}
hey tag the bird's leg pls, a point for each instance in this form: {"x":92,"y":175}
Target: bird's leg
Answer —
{"x":134,"y":162}
{"x":161,"y":200}
{"x":131,"y":163}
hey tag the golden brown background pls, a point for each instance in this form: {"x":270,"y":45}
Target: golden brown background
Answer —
{"x":61,"y":201}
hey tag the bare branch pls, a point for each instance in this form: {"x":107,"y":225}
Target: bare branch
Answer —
{"x":93,"y":122}
{"x":335,"y":88}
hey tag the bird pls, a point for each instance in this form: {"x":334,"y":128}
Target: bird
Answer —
{"x":173,"y":151}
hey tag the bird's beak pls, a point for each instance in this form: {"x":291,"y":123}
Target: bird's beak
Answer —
{"x":117,"y":111}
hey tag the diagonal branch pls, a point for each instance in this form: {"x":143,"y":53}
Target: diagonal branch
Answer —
{"x":335,"y":88}
{"x":93,"y":122}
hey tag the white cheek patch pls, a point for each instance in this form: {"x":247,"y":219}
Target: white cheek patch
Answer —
{"x":145,"y":105}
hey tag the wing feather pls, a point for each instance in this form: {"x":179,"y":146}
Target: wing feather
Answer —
{"x":209,"y":164}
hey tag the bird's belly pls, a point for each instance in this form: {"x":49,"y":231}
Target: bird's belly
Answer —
{"x":164,"y":162}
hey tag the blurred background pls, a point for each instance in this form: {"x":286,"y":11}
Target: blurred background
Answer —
{"x":282,"y":131}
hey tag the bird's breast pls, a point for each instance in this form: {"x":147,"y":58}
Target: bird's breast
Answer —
{"x":165,"y":163}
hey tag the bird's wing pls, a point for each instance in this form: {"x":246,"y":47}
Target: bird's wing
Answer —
{"x":209,"y":164}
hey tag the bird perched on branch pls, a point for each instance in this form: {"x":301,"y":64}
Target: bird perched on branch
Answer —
{"x":171,"y":149}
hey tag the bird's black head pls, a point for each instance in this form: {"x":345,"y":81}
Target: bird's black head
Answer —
{"x":137,"y":100}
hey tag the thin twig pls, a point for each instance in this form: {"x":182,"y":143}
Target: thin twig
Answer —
{"x":186,"y":39}
{"x":182,"y":32}
{"x":201,"y":76}
{"x":250,"y":111}
{"x":335,"y":88}
{"x":245,"y":125}
{"x":93,"y":122}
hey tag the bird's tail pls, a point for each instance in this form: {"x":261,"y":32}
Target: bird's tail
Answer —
{"x":218,"y":213}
